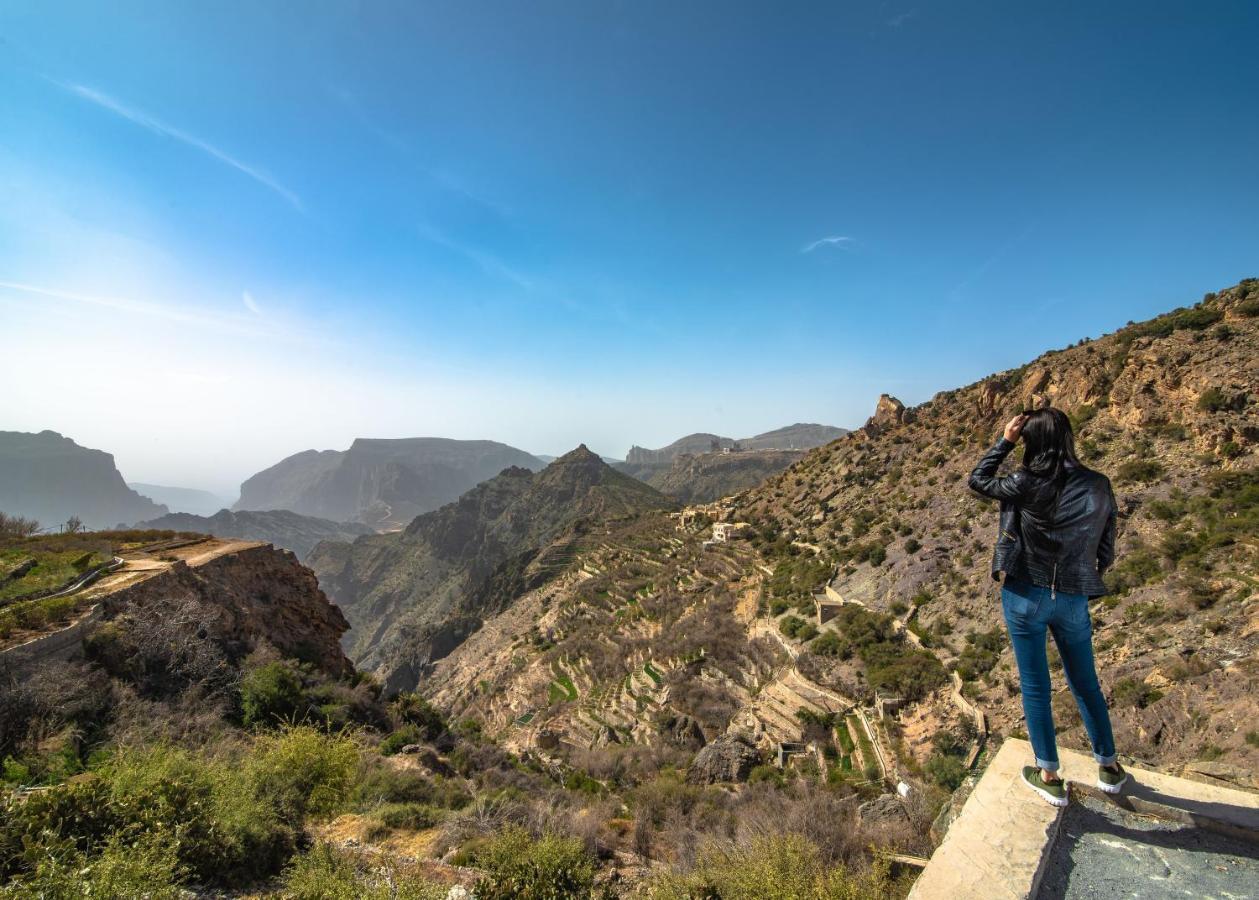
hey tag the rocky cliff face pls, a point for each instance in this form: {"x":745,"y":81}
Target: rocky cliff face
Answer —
{"x":413,"y":596}
{"x":383,"y":483}
{"x":50,"y":478}
{"x":284,"y":529}
{"x":252,"y":597}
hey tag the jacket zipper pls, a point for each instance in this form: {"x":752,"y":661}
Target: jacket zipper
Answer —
{"x":1053,"y":583}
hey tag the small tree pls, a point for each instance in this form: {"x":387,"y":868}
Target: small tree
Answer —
{"x":73,"y":525}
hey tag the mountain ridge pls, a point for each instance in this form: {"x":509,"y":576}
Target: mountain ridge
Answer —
{"x":383,"y":482}
{"x":414,"y":595}
{"x":50,"y":478}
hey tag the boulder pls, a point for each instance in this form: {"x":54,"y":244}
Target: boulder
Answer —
{"x":682,"y":731}
{"x":885,"y":808}
{"x":729,"y":758}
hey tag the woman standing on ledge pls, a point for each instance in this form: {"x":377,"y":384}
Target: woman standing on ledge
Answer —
{"x":1057,"y":537}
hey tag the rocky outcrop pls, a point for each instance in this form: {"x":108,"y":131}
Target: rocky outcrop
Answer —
{"x":281,"y":527}
{"x":885,"y":808}
{"x":254,"y":596}
{"x":682,"y":731}
{"x":730,"y":758}
{"x":50,"y":478}
{"x":379,"y":482}
{"x":888,"y":413}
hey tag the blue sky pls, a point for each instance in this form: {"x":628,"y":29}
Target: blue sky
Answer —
{"x":258,"y":231}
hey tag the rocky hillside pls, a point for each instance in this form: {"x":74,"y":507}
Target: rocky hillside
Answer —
{"x":704,"y":477}
{"x":652,"y":637}
{"x":280,"y":527}
{"x":415,"y":595}
{"x":383,"y":483}
{"x":1169,"y":409}
{"x":50,"y":478}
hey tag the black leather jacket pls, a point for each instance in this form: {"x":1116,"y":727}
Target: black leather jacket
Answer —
{"x":1063,"y":541}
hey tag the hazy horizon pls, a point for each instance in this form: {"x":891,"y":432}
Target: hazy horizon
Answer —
{"x":230,"y":234}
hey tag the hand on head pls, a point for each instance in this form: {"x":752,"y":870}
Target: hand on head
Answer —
{"x":1014,"y":428}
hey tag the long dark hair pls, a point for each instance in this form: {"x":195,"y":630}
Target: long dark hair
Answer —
{"x":1048,"y":444}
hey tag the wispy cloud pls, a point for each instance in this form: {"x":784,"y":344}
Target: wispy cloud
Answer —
{"x":250,"y":304}
{"x":247,"y":326}
{"x":488,"y":262}
{"x":157,"y":126}
{"x":838,"y":241}
{"x":901,"y":18}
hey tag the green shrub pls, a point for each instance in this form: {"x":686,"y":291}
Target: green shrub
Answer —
{"x":791,"y":625}
{"x":271,"y":694}
{"x":414,"y":710}
{"x":324,"y":873}
{"x":828,"y":643}
{"x":980,"y":655}
{"x":945,"y":770}
{"x":303,"y":771}
{"x":1248,"y":307}
{"x":773,"y":867}
{"x":147,"y":868}
{"x":1141,"y":470}
{"x":766,"y":773}
{"x":378,"y":782}
{"x":226,"y":833}
{"x":518,"y":867}
{"x":1212,"y":400}
{"x":1136,"y":568}
{"x":1130,"y":692}
{"x":1197,"y":318}
{"x":404,"y":736}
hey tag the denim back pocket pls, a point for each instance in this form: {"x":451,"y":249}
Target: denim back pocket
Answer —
{"x":1015,"y":605}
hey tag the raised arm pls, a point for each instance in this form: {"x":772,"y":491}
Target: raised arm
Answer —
{"x":984,"y":479}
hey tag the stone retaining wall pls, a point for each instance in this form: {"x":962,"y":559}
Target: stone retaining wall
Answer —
{"x":65,"y":643}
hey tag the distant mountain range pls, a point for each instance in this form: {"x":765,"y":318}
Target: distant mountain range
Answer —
{"x":702,"y":467}
{"x":801,"y":436}
{"x":50,"y":478}
{"x":412,"y":596}
{"x":282,"y":527}
{"x":181,"y":500}
{"x":382,"y":483}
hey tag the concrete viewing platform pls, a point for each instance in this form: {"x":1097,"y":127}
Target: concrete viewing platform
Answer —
{"x":1161,"y":837}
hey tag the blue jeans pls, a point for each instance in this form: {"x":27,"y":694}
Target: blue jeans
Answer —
{"x":1030,"y":610}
